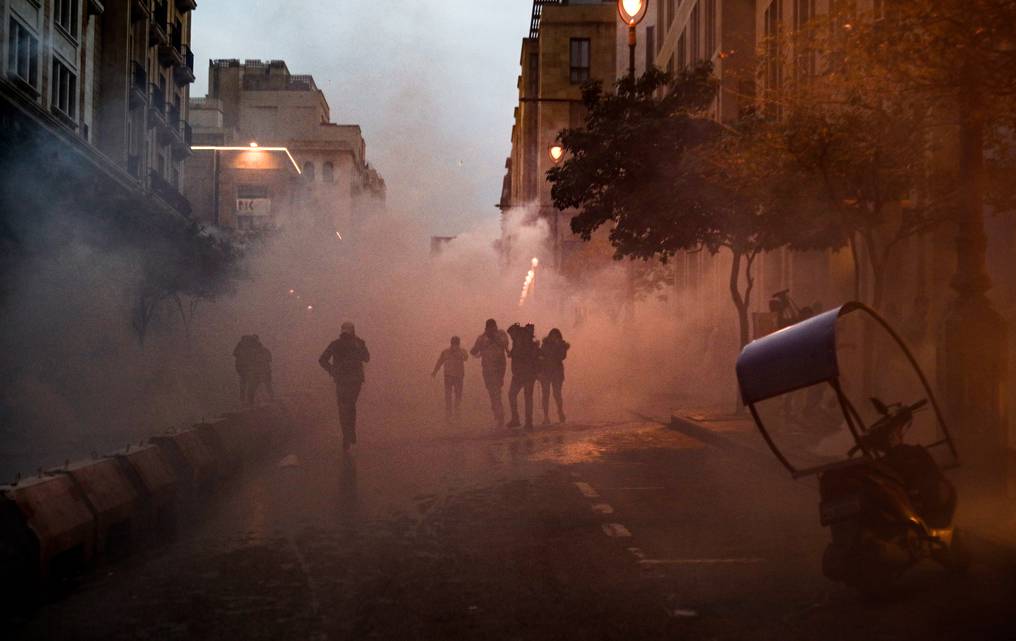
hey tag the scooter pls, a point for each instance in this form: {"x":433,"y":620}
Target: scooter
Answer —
{"x":889,"y":512}
{"x":883,"y":496}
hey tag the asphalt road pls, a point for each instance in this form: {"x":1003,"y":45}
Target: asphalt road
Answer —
{"x":614,"y":531}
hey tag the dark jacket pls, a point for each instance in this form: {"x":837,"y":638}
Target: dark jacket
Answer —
{"x":552,"y":356}
{"x":344,"y":359}
{"x":525,"y":356}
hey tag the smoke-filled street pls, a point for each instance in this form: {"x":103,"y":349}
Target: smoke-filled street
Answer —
{"x":618,"y":531}
{"x":508,"y":319}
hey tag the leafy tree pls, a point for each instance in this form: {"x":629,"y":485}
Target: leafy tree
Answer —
{"x":666,"y":179}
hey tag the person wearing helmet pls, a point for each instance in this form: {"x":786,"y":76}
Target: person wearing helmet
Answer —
{"x":343,"y":359}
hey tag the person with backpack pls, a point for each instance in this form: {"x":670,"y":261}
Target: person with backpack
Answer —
{"x":343,"y":359}
{"x":525,"y":355}
{"x":453,"y":360}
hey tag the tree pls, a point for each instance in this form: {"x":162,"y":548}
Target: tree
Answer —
{"x":666,"y":179}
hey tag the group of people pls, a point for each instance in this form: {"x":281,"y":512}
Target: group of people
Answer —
{"x":532,"y":361}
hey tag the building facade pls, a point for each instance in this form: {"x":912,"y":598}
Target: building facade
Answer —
{"x":570,"y":43}
{"x":109,"y":79}
{"x":268,"y":155}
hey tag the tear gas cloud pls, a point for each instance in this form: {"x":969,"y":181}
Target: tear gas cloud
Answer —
{"x":80,"y":381}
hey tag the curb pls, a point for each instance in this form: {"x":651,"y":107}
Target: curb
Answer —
{"x":61,"y":522}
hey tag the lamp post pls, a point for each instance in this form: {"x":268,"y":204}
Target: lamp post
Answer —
{"x":632,"y":12}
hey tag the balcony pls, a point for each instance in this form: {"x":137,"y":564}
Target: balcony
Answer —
{"x":182,"y":147}
{"x":140,"y":10}
{"x":171,"y":52}
{"x":184,"y":73}
{"x":169,"y":130}
{"x":157,"y":107}
{"x":166,"y":191}
{"x":139,"y":85}
{"x":183,"y":6}
{"x":158,"y":27}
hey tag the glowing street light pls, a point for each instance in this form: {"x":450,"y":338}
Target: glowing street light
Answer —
{"x":556,"y":152}
{"x":253,"y":145}
{"x":632,"y":12}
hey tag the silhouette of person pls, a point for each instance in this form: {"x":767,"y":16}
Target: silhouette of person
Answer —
{"x":492,"y":348}
{"x":552,"y":354}
{"x":525,"y":355}
{"x":453,"y":360}
{"x":343,"y":359}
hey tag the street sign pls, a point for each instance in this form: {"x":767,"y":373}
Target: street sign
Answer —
{"x":254,"y":206}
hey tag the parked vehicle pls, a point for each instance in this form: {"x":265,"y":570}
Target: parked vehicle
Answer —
{"x":815,"y":390}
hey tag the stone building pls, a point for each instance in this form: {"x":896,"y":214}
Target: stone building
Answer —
{"x":107,"y":80}
{"x":570,"y":42}
{"x":267,"y":154}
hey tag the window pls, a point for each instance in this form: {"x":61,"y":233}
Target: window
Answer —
{"x":579,"y":60}
{"x":308,"y":171}
{"x":696,"y":34}
{"x":65,"y":15}
{"x":65,"y":90}
{"x":23,"y":54}
{"x":650,"y":46}
{"x":682,"y":51}
{"x":710,"y":29}
{"x":328,"y":172}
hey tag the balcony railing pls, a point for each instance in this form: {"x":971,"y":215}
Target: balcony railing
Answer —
{"x":166,"y":191}
{"x":184,"y":73}
{"x":183,"y":6}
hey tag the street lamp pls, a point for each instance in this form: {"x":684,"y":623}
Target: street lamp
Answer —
{"x":556,"y":152}
{"x":632,"y":12}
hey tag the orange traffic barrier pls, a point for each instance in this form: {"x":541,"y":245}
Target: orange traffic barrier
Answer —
{"x":225,"y":438}
{"x":112,"y":497}
{"x":153,"y":475}
{"x":56,"y":513}
{"x":194,"y":463}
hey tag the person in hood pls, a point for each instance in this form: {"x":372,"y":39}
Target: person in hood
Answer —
{"x":525,"y":355}
{"x":453,"y":360}
{"x":492,"y":348}
{"x":552,"y":354}
{"x":343,"y":359}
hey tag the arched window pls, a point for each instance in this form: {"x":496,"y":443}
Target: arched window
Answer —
{"x":308,"y":171}
{"x":328,"y":172}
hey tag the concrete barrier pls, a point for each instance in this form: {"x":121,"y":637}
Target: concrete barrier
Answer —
{"x":112,"y":497}
{"x":153,"y":476}
{"x":56,"y":513}
{"x":196,"y":467}
{"x":224,"y":437}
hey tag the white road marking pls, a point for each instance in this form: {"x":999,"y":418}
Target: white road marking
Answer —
{"x":731,"y":561}
{"x":587,"y":490}
{"x":602,"y":508}
{"x":616,"y":530}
